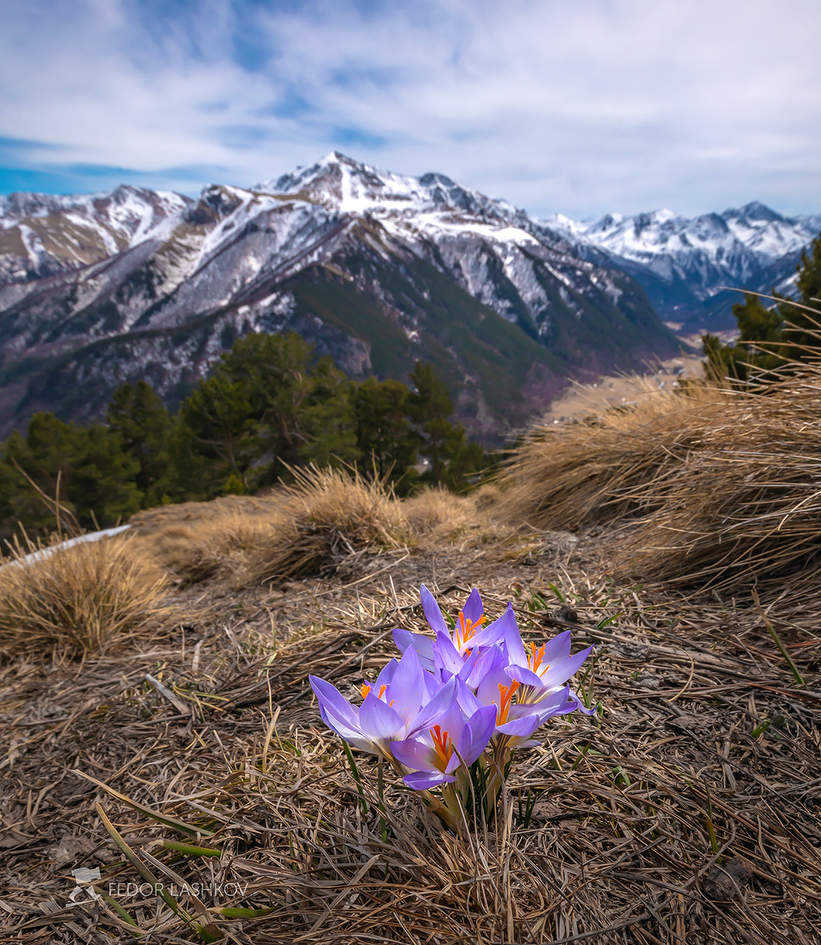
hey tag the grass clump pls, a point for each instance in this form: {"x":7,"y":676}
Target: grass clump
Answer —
{"x":746,"y":506}
{"x":90,"y":598}
{"x":575,"y":474}
{"x":324,"y":516}
{"x":436,"y":513}
{"x":217,"y":543}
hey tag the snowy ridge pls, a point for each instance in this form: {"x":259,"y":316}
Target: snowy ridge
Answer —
{"x":376,"y":269}
{"x":45,"y":233}
{"x":683,"y":262}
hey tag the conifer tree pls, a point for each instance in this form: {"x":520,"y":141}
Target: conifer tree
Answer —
{"x":452,"y":457}
{"x":139,"y":417}
{"x":387,"y":442}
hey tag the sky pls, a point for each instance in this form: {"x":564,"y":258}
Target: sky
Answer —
{"x":580,"y":108}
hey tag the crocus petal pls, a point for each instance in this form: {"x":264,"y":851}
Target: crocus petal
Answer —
{"x":385,"y":677}
{"x":407,"y":691}
{"x":522,"y":727}
{"x":580,"y":705}
{"x":331,"y":700}
{"x":413,"y":753}
{"x":489,"y":674}
{"x":422,"y":643}
{"x":476,"y":734}
{"x":473,"y":608}
{"x":438,"y":706}
{"x":446,"y":656}
{"x":468,"y":665}
{"x":557,"y":648}
{"x":468,"y":702}
{"x":500,"y":629}
{"x":378,"y":720}
{"x":432,"y":685}
{"x":433,"y":614}
{"x":348,"y":732}
{"x":525,"y":676}
{"x":338,"y":714}
{"x":424,"y":780}
{"x":560,"y":671}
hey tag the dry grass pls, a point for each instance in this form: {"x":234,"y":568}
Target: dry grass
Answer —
{"x":437,"y":514}
{"x":326,"y":515}
{"x":575,"y":474}
{"x":745,"y":506}
{"x":713,"y":488}
{"x":217,"y":544}
{"x":701,"y":772}
{"x":90,"y":598}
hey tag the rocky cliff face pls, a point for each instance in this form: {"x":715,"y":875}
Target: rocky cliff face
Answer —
{"x":378,"y":270}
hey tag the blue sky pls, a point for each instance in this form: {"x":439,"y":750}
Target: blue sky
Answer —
{"x":579,"y":107}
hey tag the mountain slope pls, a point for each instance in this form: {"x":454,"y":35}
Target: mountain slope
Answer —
{"x":376,"y":269}
{"x":685,"y":263}
{"x":42,"y":234}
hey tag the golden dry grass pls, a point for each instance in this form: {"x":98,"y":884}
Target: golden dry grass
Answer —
{"x":437,"y":513}
{"x":299,"y":529}
{"x":201,"y":547}
{"x":89,"y":598}
{"x":570,"y":475}
{"x":323,"y":516}
{"x":745,"y":507}
{"x":710,"y":487}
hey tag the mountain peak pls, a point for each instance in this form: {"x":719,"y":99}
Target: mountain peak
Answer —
{"x":337,"y":157}
{"x":754,"y":210}
{"x":340,"y":182}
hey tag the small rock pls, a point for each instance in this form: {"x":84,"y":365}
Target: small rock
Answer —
{"x":727,"y":882}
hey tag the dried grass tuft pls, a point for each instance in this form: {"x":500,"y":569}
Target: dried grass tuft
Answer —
{"x":745,"y":507}
{"x":199,"y":549}
{"x":326,"y":515}
{"x":603,"y":468}
{"x":90,"y":598}
{"x":438,"y":514}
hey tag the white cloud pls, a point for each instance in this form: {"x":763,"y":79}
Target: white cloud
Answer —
{"x":580,"y":108}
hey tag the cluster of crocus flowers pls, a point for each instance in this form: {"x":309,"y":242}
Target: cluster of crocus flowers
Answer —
{"x":457,"y":701}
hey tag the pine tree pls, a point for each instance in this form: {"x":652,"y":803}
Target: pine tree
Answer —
{"x":452,"y":458}
{"x":387,"y":442}
{"x":101,"y":483}
{"x":328,"y":421}
{"x":139,"y":417}
{"x":217,"y":417}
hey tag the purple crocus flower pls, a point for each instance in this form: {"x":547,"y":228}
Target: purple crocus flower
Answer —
{"x":545,"y":669}
{"x":389,"y":707}
{"x":468,"y":635}
{"x":444,"y":737}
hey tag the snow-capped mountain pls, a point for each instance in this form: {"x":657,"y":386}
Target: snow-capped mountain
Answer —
{"x":684,"y":263}
{"x":42,"y":234}
{"x":377,"y":269}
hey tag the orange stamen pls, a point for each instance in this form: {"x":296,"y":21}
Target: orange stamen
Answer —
{"x":535,"y":657}
{"x":366,"y":689}
{"x":466,"y":628}
{"x":505,"y":699}
{"x":442,"y":745}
